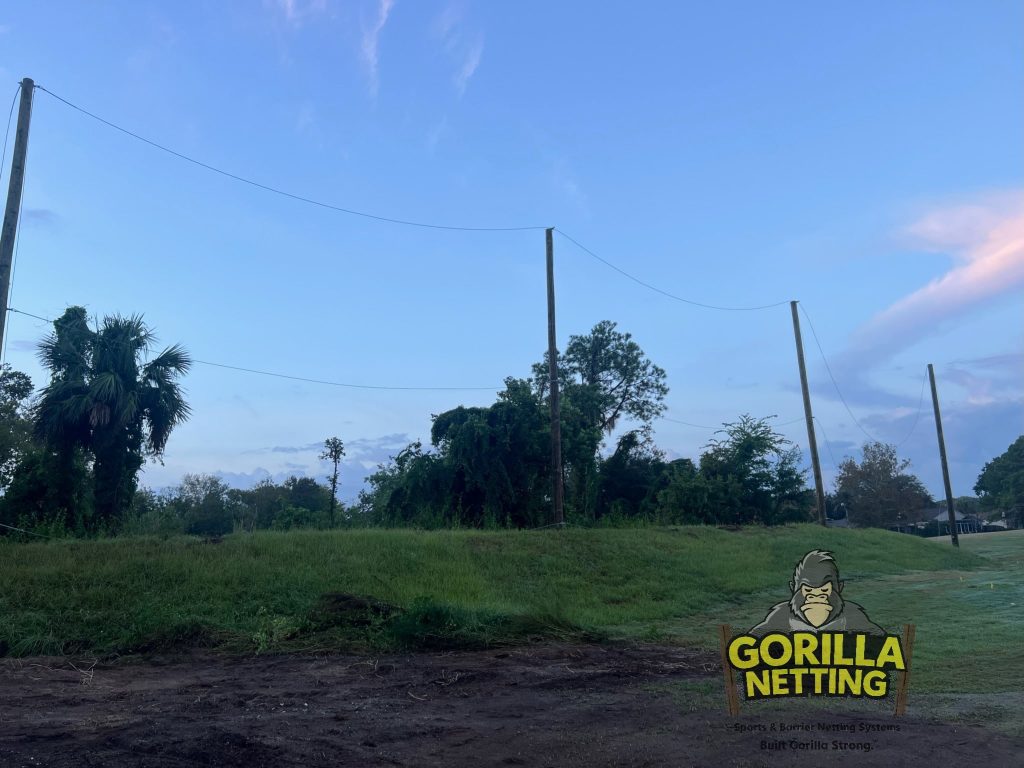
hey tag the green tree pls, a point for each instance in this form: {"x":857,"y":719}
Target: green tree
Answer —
{"x":1001,"y":482}
{"x":66,"y":432}
{"x":878,"y":492}
{"x":603,"y":376}
{"x":306,"y":493}
{"x":15,"y":422}
{"x":412,"y":489}
{"x":683,"y":495}
{"x":151,"y":513}
{"x":495,"y":461}
{"x":333,"y":451}
{"x":629,"y":477}
{"x":752,"y":476}
{"x":48,"y":490}
{"x":104,"y":400}
{"x":204,"y":504}
{"x":260,"y":505}
{"x":613,"y":368}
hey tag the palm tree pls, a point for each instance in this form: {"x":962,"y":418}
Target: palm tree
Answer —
{"x":104,"y":401}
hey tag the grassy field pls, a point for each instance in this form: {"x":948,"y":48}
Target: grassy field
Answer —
{"x":263,"y":592}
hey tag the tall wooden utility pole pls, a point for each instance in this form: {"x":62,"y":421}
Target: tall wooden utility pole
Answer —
{"x":556,"y":425}
{"x":942,"y":456}
{"x":13,"y":210}
{"x":819,"y":488}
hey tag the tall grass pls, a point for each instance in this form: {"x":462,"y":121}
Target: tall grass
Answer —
{"x":260,"y":591}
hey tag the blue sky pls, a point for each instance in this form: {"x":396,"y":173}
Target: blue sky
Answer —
{"x":865,"y":160}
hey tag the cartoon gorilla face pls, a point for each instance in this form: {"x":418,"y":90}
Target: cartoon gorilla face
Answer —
{"x":816,"y":605}
{"x":816,"y":590}
{"x":815,"y":602}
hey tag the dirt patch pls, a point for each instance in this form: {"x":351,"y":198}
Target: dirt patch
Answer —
{"x":542,"y":705}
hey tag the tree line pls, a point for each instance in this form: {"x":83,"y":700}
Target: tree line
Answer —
{"x":70,"y":455}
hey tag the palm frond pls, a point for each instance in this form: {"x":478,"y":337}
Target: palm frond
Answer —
{"x":164,"y":408}
{"x":99,"y":415}
{"x":174,"y":360}
{"x":131,"y":329}
{"x":107,"y":387}
{"x":61,"y":411}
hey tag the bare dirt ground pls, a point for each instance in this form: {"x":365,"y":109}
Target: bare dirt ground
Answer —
{"x":540,"y":705}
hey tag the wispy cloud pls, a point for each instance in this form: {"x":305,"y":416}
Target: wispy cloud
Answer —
{"x":985,"y":240}
{"x":446,"y":22}
{"x":298,"y":12}
{"x":463,"y":46}
{"x":469,"y":65}
{"x":371,"y":44}
{"x":987,"y":379}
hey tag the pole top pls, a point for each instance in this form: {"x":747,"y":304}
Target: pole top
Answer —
{"x":28,"y":82}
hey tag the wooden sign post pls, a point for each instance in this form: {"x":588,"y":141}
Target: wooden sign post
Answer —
{"x":904,"y":677}
{"x":724,"y":636}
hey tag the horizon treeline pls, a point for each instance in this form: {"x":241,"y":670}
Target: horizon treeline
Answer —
{"x":70,"y":455}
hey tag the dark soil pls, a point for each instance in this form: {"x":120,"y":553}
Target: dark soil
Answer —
{"x":540,"y":705}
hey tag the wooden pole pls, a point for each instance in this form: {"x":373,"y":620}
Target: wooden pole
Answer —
{"x":942,"y":457}
{"x":819,"y":488}
{"x":903,"y":685}
{"x":557,"y":492}
{"x":17,"y":182}
{"x":732,"y":699}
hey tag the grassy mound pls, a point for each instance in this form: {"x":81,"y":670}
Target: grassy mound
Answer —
{"x":413,"y":589}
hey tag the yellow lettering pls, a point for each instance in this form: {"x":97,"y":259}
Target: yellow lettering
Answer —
{"x":761,"y":682}
{"x":849,"y":681}
{"x":819,"y":672}
{"x":742,"y":653}
{"x":891,"y":653}
{"x":784,"y":656}
{"x":837,"y":658}
{"x":780,"y":683}
{"x":805,"y":663}
{"x":875,"y":683}
{"x":804,"y":646}
{"x":861,"y":659}
{"x":798,"y":680}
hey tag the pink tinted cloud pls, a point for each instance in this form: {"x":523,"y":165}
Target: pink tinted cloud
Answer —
{"x":986,"y":239}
